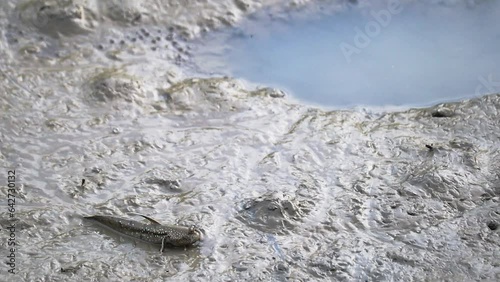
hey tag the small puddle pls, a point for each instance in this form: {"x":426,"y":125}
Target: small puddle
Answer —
{"x":414,"y":54}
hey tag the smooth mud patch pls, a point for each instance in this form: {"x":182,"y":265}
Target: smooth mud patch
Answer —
{"x":371,"y":54}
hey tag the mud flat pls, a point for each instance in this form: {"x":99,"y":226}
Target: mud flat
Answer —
{"x":283,"y":190}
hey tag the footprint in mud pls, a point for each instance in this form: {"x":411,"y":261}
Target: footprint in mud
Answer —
{"x":272,"y":213}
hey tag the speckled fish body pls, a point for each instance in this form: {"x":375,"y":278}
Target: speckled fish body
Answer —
{"x":174,"y":235}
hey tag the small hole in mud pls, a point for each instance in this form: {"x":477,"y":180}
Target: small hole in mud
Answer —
{"x":492,"y":225}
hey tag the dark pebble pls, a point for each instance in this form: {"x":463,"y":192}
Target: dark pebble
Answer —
{"x":158,"y":38}
{"x":153,"y":48}
{"x":122,"y":42}
{"x":153,"y":41}
{"x":96,"y":170}
{"x":133,"y":39}
{"x":100,"y":47}
{"x":64,"y":270}
{"x":442,"y":113}
{"x":136,"y":19}
{"x":281,"y":267}
{"x":111,"y":41}
{"x":492,"y":226}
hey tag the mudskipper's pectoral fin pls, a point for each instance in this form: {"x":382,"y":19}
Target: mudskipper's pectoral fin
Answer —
{"x":162,"y":244}
{"x":148,"y":218}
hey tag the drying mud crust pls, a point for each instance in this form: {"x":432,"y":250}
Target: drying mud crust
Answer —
{"x":104,"y":91}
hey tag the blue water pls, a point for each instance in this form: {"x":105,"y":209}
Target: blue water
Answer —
{"x":414,"y":55}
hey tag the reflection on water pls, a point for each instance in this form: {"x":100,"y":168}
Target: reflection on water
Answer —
{"x":386,"y":54}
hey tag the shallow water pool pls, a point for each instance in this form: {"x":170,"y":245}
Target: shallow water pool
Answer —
{"x":383,"y":54}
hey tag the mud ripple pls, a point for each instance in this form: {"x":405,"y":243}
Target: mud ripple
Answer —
{"x":113,"y":85}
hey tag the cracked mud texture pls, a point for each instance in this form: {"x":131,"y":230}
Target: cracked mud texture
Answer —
{"x":284,"y":191}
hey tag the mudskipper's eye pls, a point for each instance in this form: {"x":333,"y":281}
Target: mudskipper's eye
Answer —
{"x":192,"y":229}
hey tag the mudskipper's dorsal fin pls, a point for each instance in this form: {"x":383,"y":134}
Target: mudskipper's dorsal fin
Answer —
{"x":148,"y":218}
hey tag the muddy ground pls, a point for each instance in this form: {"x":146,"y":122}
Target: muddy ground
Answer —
{"x":104,"y":91}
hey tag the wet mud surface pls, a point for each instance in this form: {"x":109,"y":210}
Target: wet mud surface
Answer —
{"x":283,"y":191}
